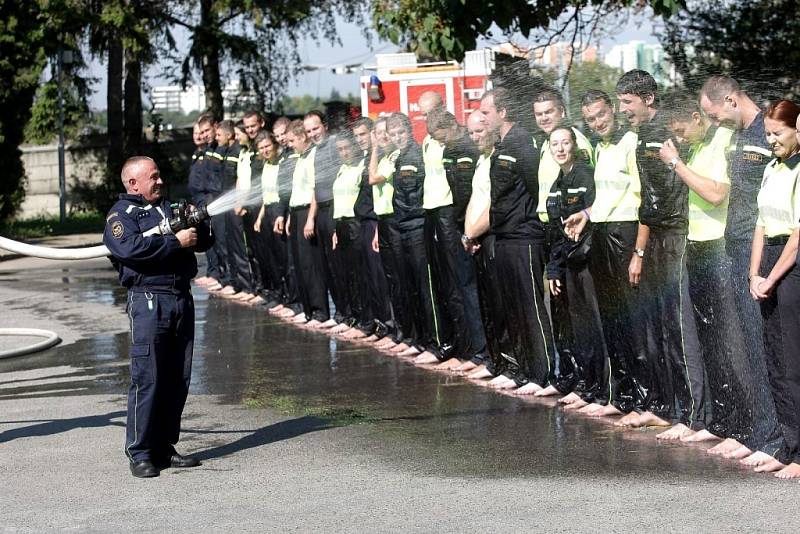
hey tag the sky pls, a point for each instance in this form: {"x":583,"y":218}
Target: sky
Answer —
{"x":352,"y":50}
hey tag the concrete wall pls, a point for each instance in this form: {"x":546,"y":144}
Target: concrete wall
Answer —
{"x":84,"y":162}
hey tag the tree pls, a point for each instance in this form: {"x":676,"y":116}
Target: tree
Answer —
{"x":751,"y":40}
{"x":447,"y":29}
{"x":582,"y":77}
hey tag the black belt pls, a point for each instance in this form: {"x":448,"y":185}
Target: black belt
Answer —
{"x":326,"y":204}
{"x":298,"y":208}
{"x":777,"y":240}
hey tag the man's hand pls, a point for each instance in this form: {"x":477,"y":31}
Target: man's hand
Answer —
{"x":278,"y":226}
{"x":240,"y":211}
{"x":334,"y":241}
{"x":375,"y":241}
{"x":766,"y":287}
{"x":257,"y":225}
{"x":187,"y":238}
{"x":555,"y":287}
{"x":635,"y":270}
{"x":668,"y":152}
{"x":574,"y":225}
{"x":757,"y":286}
{"x":308,"y":231}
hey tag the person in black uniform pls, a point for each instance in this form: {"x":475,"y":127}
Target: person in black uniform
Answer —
{"x":519,"y":248}
{"x":420,"y":314}
{"x":157,"y":271}
{"x":568,"y":264}
{"x":673,"y":350}
{"x":459,"y":158}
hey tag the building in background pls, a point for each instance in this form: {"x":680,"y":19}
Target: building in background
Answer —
{"x":645,"y":56}
{"x":560,"y":55}
{"x":171,"y":98}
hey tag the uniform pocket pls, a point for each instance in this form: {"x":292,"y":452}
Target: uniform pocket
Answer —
{"x":141,"y":365}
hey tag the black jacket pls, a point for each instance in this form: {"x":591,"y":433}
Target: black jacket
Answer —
{"x":459,"y":159}
{"x":515,"y":187}
{"x":409,"y":175}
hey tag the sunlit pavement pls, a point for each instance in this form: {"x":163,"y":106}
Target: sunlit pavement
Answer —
{"x":299,"y":432}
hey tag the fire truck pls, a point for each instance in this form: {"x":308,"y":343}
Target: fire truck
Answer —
{"x":398,"y":80}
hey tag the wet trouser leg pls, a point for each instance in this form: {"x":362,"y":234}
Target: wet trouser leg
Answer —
{"x":255,"y":252}
{"x":789,"y":303}
{"x":468,"y":283}
{"x":730,"y":393}
{"x":589,"y":352}
{"x":212,"y":264}
{"x":620,"y":313}
{"x":766,"y":435}
{"x":520,"y":266}
{"x":391,"y":252}
{"x":563,"y":373}
{"x":441,"y":240}
{"x":162,"y":339}
{"x":271,"y":268}
{"x":773,"y":309}
{"x":377,"y":290}
{"x":492,"y":307}
{"x":291,"y":298}
{"x":309,"y":268}
{"x":673,"y":331}
{"x":218,"y":228}
{"x":324,"y":227}
{"x":417,"y":285}
{"x":350,"y":274}
{"x":238,"y":261}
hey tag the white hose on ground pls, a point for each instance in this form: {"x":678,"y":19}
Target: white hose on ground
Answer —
{"x":54,"y":253}
{"x":51,"y":339}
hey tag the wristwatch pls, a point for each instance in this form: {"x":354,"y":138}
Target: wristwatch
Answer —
{"x":466,"y":240}
{"x":674,"y":163}
{"x":639,"y":252}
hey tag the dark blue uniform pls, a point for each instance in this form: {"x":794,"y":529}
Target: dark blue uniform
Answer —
{"x":157,"y":273}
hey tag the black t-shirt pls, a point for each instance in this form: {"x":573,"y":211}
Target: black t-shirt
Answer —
{"x":746,"y":163}
{"x":515,"y":187}
{"x":409,"y":176}
{"x":364,"y":208}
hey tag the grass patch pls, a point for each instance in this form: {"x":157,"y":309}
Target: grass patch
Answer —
{"x":49,"y":225}
{"x":335,"y":415}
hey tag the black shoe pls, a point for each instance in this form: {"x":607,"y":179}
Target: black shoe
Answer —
{"x":143,"y":469}
{"x":176,"y":460}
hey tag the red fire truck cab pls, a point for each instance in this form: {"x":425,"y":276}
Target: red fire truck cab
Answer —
{"x":397,"y":81}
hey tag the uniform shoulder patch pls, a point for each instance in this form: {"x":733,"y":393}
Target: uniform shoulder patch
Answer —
{"x":117,"y":229}
{"x":111,"y":215}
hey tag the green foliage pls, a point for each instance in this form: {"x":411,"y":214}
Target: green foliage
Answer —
{"x":582,"y":77}
{"x":446,"y":29}
{"x":299,"y":105}
{"x":752,"y":40}
{"x":42,"y":128}
{"x":45,"y":226}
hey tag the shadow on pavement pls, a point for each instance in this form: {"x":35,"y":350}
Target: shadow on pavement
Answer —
{"x":263,"y":436}
{"x":56,"y":426}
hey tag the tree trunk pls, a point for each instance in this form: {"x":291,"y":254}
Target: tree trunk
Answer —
{"x":114,"y":159}
{"x":132,"y":135}
{"x":209,"y":48}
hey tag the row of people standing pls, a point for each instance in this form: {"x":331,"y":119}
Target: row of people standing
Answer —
{"x":644,"y":236}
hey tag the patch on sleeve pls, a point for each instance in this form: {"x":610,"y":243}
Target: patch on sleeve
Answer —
{"x":111,"y":216}
{"x":117,"y":229}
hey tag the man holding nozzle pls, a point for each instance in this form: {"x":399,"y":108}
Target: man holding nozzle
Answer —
{"x":156,"y":269}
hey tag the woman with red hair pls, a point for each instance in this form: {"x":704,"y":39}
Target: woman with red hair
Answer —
{"x":775,"y":280}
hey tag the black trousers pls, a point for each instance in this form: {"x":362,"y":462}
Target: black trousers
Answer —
{"x":493,"y":310}
{"x":563,"y":373}
{"x":325,"y":226}
{"x":162,"y":341}
{"x":621,"y":316}
{"x":676,"y":378}
{"x":218,"y":266}
{"x":377,"y":288}
{"x":766,"y":435}
{"x":781,"y":344}
{"x":581,"y":370}
{"x":416,"y":284}
{"x":442,"y":242}
{"x":729,"y":398}
{"x":350,"y":274}
{"x":309,"y":264}
{"x":520,"y":266}
{"x":234,"y":252}
{"x":255,"y":251}
{"x":391,"y":253}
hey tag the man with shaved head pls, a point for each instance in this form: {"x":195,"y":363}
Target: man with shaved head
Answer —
{"x":156,"y":270}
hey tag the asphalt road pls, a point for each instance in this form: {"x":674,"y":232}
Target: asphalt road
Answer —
{"x":299,"y":432}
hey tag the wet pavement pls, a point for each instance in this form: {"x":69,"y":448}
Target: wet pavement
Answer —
{"x":377,"y":408}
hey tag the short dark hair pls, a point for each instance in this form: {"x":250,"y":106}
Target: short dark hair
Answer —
{"x":346,"y":136}
{"x":718,"y":87}
{"x":253,"y":113}
{"x":550,"y":94}
{"x":265,"y":134}
{"x":637,"y":82}
{"x":594,"y":95}
{"x":401,"y":119}
{"x":362,"y":121}
{"x":502,"y":100}
{"x":206,"y":118}
{"x":226,"y":126}
{"x":315,"y":113}
{"x":439,"y":119}
{"x":679,"y":106}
